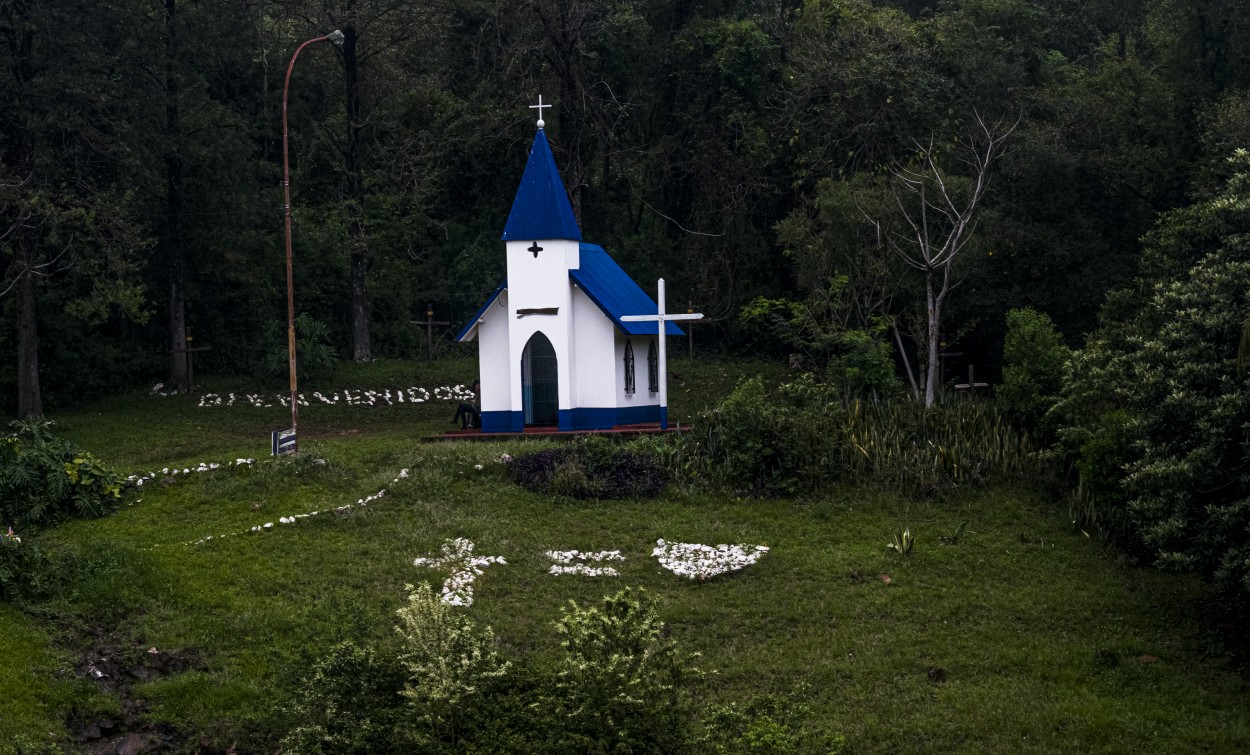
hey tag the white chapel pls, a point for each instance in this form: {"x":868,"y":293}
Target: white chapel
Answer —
{"x":568,"y":340}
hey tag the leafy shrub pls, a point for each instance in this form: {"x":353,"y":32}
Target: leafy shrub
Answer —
{"x":1033,"y":363}
{"x":619,"y":687}
{"x":593,"y":468}
{"x":349,"y":704}
{"x":766,"y":724}
{"x":864,"y":365}
{"x":451,"y":664}
{"x":44,"y":479}
{"x":1155,"y":412}
{"x":314,"y":348}
{"x":24,"y":570}
{"x":1103,"y":457}
{"x":857,"y":360}
{"x":803,"y":435}
{"x":764,"y":444}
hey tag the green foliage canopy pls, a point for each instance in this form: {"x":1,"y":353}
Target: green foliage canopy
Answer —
{"x":1155,"y":405}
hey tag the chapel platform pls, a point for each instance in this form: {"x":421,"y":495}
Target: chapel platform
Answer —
{"x":552,"y":433}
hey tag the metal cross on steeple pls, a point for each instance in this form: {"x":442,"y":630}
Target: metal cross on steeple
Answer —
{"x":539,"y":107}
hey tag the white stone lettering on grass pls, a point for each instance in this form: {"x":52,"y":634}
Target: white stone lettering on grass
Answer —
{"x":579,"y":562}
{"x":457,"y":556}
{"x":702,"y":562}
{"x":347,"y":396}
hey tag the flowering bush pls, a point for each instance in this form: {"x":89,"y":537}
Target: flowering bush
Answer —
{"x":702,"y":562}
{"x":450,"y":662}
{"x":619,"y":687}
{"x":1155,"y":408}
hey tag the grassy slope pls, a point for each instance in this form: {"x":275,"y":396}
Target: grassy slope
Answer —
{"x":1039,"y":632}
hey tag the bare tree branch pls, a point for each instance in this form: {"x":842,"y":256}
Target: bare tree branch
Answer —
{"x":939,"y":218}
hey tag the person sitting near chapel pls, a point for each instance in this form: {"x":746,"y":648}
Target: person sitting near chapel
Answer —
{"x":470,"y":414}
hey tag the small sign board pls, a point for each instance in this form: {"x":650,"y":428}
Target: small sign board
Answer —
{"x":283,"y":442}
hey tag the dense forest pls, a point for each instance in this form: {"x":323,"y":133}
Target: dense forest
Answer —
{"x":770,"y":159}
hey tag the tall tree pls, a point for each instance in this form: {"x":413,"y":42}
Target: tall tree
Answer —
{"x":18,"y":32}
{"x":172,"y":239}
{"x":373,"y":30}
{"x":59,"y":144}
{"x":354,"y":190}
{"x":937,"y":214}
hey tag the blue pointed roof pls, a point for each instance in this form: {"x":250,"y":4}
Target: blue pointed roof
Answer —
{"x":616,"y":293}
{"x":541,"y":209}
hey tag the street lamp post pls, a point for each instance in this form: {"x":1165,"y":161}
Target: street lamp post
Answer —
{"x":336,"y":37}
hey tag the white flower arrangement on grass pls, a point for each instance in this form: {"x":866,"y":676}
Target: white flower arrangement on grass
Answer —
{"x":348,"y":396}
{"x":702,"y":562}
{"x":457,"y":555}
{"x":578,"y":562}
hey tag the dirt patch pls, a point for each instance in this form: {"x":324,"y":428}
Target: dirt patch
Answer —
{"x":115,"y":669}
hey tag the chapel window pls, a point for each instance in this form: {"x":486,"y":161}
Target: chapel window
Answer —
{"x":629,"y":367}
{"x":653,"y":369}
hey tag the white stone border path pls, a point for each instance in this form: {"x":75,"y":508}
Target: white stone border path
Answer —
{"x":293,"y":518}
{"x":139,"y":480}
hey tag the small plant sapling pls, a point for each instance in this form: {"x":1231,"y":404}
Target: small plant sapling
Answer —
{"x":954,"y":539}
{"x":903,"y":542}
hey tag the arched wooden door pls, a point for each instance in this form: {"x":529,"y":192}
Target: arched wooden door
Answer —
{"x":540,"y":392}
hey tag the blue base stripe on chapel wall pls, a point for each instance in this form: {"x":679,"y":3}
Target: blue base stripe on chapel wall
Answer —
{"x":589,"y":418}
{"x":585,"y":418}
{"x":637,"y":415}
{"x":663,"y":417}
{"x":503,"y":422}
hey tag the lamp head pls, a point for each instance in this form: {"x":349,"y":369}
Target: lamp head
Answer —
{"x":336,"y":37}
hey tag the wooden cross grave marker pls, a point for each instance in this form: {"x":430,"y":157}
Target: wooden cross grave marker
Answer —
{"x":429,"y":322}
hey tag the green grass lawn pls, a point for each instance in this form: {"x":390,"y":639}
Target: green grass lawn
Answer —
{"x":1046,"y":642}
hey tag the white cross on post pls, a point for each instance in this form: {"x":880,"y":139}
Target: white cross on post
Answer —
{"x":539,"y":107}
{"x":660,"y":318}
